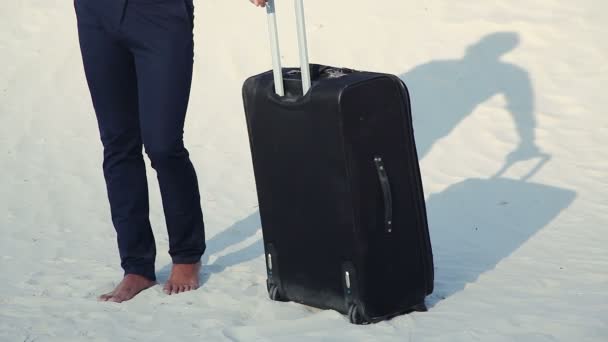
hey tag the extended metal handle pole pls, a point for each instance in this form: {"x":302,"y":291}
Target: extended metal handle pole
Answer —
{"x":275,"y":50}
{"x":303,"y":46}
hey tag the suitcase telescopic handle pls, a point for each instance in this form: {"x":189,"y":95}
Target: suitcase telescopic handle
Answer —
{"x":275,"y":50}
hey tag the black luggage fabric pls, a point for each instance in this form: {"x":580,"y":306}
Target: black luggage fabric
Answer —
{"x":340,"y":193}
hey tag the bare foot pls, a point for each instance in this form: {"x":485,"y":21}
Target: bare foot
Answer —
{"x":129,"y":287}
{"x":184,"y":277}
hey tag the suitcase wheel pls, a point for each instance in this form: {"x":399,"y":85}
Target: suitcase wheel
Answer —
{"x":354,"y":316}
{"x":273,"y":293}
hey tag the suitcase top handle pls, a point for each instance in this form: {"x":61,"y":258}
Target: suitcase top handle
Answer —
{"x":276,"y":54}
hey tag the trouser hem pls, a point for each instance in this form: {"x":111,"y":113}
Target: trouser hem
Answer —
{"x":146,"y":272}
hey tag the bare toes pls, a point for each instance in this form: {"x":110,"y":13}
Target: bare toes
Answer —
{"x":116,"y":299}
{"x":104,"y":297}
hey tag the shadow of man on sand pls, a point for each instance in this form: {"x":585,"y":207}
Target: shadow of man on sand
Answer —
{"x":476,"y":223}
{"x":445,"y":92}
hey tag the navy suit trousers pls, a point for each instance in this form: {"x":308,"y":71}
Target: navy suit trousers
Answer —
{"x":138,"y":58}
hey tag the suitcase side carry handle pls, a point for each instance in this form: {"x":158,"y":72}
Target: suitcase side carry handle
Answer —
{"x":386,"y":193}
{"x":275,"y":50}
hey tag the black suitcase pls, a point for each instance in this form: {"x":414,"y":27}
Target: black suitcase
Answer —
{"x":340,"y":194}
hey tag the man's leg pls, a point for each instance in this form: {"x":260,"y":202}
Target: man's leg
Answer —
{"x":160,"y":37}
{"x":111,"y":77}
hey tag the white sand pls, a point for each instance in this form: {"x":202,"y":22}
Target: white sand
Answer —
{"x":515,"y":260}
